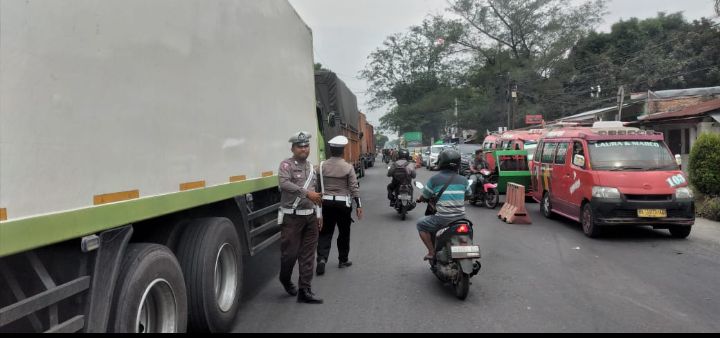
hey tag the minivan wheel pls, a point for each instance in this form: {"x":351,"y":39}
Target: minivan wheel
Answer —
{"x":680,"y":232}
{"x":545,"y":205}
{"x":590,"y":228}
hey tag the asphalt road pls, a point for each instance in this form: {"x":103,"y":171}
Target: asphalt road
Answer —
{"x":544,"y":277}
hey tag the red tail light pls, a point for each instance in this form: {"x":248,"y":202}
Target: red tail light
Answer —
{"x":463,"y":229}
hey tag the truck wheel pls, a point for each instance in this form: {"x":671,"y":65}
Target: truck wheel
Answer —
{"x":211,"y":258}
{"x":590,"y":228}
{"x":150,"y":296}
{"x":680,"y":232}
{"x":545,"y":206}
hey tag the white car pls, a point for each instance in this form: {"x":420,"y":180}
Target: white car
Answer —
{"x":432,"y":158}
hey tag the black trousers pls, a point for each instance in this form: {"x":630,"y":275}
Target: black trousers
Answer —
{"x":298,"y":242}
{"x":340,"y":216}
{"x":392,"y":189}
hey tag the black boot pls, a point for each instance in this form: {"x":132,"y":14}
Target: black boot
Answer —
{"x":306,"y":296}
{"x":320,"y":270}
{"x":345,"y":264}
{"x":290,"y":288}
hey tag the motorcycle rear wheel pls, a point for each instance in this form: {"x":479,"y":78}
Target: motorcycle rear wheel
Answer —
{"x":462,"y":286}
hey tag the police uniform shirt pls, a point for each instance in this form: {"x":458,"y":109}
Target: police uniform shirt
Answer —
{"x":339,"y":178}
{"x":293,"y":175}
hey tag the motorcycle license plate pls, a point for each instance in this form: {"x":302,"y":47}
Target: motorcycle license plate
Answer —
{"x":405,"y":197}
{"x":652,"y":213}
{"x":465,"y":251}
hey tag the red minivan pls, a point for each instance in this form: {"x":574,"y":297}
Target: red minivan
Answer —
{"x":610,"y":175}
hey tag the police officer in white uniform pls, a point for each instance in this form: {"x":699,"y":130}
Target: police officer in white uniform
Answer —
{"x":340,"y":189}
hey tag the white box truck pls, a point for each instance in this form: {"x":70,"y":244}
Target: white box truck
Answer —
{"x":139,"y":147}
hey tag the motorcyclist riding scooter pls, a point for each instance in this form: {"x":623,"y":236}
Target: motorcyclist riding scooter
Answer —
{"x":484,"y":190}
{"x":446,"y":231}
{"x":400,"y":190}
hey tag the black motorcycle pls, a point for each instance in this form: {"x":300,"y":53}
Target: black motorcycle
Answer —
{"x":488,"y":193}
{"x":404,"y":202}
{"x":456,"y":257}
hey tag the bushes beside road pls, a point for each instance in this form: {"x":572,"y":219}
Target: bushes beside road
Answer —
{"x":705,"y":175}
{"x":708,"y":207}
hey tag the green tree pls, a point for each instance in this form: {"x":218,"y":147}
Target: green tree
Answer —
{"x":664,"y":52}
{"x":413,"y":74}
{"x":537,"y":32}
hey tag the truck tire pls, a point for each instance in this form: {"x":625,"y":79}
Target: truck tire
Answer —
{"x":150,"y":292}
{"x":211,"y":258}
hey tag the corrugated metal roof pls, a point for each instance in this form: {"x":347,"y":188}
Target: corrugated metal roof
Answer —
{"x":590,"y":115}
{"x":675,"y":93}
{"x":691,"y":111}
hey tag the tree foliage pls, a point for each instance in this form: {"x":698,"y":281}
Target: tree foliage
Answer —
{"x":545,"y":49}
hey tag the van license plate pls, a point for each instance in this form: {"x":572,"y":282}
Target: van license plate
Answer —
{"x":652,"y":213}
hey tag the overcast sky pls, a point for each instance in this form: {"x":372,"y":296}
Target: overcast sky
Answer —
{"x":347,"y":31}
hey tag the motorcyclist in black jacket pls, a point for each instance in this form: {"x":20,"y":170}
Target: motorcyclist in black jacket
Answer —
{"x":402,"y":171}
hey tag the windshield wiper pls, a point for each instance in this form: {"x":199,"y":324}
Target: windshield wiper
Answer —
{"x":623,"y":168}
{"x":664,"y":167}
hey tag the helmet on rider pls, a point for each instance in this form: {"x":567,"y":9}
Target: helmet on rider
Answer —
{"x":404,"y":154}
{"x":449,"y":159}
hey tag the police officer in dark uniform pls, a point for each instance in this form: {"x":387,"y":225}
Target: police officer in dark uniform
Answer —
{"x":340,"y":188}
{"x":299,"y":218}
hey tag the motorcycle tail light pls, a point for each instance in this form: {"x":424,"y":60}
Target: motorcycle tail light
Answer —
{"x":463,"y":229}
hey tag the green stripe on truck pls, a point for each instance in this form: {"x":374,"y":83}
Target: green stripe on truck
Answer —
{"x":26,"y":234}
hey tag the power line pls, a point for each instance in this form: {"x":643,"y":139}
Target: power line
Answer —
{"x":604,"y":79}
{"x":595,"y":102}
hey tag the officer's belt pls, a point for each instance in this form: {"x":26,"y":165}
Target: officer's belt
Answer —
{"x":298,"y":212}
{"x":336,"y":198}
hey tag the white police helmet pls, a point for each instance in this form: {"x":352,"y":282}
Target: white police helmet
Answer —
{"x":339,"y":142}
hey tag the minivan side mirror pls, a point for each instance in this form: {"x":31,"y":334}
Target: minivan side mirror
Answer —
{"x":579,"y":161}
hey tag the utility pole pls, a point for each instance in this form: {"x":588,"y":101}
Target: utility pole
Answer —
{"x":509,"y":100}
{"x":513,"y":101}
{"x":457,"y":121}
{"x":621,"y":101}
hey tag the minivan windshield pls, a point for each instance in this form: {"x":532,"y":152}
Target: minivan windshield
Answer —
{"x":530,"y":146}
{"x":631,"y":155}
